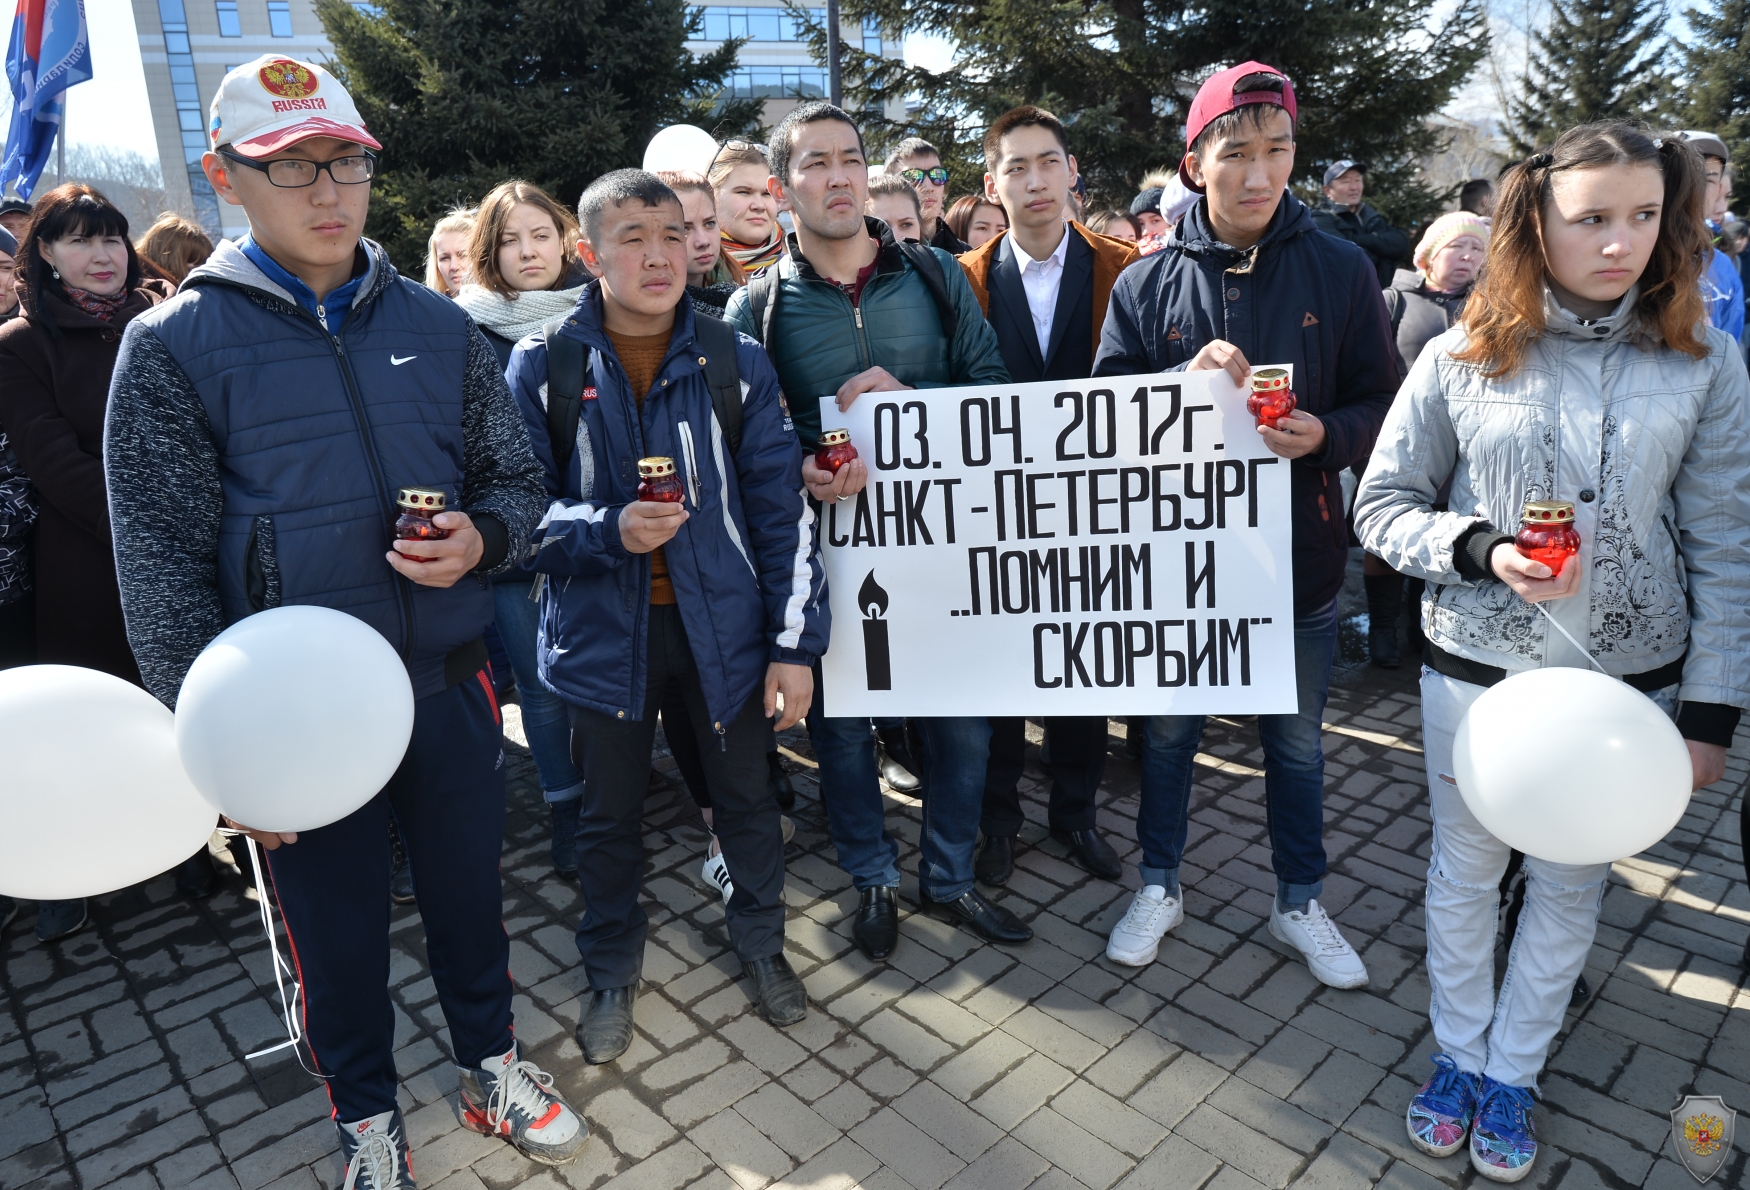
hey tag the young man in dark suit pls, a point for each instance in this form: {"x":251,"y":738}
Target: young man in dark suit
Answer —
{"x":1044,"y":284}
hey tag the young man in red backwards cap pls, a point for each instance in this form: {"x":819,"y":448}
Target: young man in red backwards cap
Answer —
{"x":1246,"y":278}
{"x":259,"y":426}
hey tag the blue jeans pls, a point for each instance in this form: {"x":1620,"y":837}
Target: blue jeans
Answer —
{"x":1294,"y":776}
{"x":545,"y":722}
{"x":952,"y":792}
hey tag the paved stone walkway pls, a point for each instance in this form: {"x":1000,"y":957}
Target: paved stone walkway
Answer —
{"x":1220,"y":1067}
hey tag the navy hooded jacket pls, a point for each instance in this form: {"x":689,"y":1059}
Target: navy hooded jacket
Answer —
{"x":746,"y":572}
{"x":1300,"y":297}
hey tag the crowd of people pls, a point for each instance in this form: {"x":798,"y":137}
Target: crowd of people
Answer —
{"x":196,"y":432}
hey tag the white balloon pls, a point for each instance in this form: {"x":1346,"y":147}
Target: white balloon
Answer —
{"x":1571,"y":766}
{"x":294,"y":718}
{"x":680,"y":147}
{"x":92,"y":795}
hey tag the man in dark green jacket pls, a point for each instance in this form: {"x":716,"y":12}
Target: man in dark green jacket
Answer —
{"x":1345,"y":216}
{"x":854,"y":312}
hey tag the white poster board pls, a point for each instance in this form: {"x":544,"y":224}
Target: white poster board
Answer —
{"x":1119,"y":546}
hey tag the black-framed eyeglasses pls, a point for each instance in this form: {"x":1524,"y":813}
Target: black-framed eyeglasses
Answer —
{"x":292,"y":173}
{"x":938,"y":175}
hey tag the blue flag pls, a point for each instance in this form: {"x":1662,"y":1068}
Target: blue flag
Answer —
{"x":50,"y":52}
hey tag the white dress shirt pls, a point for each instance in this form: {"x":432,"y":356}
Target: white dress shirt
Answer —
{"x":1041,"y":279}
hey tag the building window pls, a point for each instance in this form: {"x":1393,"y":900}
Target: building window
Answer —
{"x":279,"y":17}
{"x":872,"y":38}
{"x":189,"y":116}
{"x":229,"y":25}
{"x":778,"y":82}
{"x":756,"y":24}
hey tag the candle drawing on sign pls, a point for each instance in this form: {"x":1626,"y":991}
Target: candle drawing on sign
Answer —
{"x":873,"y":600}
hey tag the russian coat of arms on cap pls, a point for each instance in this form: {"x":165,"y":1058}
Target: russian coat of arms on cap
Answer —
{"x":1701,"y":1132}
{"x":288,"y":79}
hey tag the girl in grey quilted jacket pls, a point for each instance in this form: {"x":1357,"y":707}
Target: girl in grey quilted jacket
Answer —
{"x":1584,"y":371}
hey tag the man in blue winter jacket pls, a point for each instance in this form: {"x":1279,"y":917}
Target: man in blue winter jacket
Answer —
{"x":1247,"y":278}
{"x":720,"y":598}
{"x":259,"y":426}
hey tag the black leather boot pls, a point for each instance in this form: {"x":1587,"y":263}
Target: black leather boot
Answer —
{"x":605,"y":1032}
{"x":876,"y":928}
{"x":996,"y":860}
{"x":893,"y":759}
{"x":781,"y":997}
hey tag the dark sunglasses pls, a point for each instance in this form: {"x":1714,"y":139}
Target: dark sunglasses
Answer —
{"x":939,"y":175}
{"x":293,"y":174}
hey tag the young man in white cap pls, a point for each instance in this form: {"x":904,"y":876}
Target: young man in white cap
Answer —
{"x":260,"y":425}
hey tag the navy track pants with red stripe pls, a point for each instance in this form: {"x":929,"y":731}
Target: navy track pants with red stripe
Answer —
{"x":333,"y":890}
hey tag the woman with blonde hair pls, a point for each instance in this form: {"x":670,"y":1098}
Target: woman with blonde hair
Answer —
{"x":522,"y":257}
{"x":1583,"y":373}
{"x":446,"y":252}
{"x":712,"y":275}
{"x":747,"y":214}
{"x":176,"y":245}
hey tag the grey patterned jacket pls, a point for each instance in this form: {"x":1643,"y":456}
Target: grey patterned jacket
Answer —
{"x":1653,"y":448}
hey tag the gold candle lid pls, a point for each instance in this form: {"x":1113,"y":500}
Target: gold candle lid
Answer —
{"x":655,"y":467}
{"x":424,"y":499}
{"x":834,"y":437}
{"x":1549,"y":512}
{"x":1266,"y":380}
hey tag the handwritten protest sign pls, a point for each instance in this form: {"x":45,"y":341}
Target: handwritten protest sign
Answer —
{"x":1105,"y":547}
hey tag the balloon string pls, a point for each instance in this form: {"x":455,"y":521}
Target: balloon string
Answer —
{"x":1558,"y":627}
{"x":290,"y":1008}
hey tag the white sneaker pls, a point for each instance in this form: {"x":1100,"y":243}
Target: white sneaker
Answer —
{"x":1137,"y":938}
{"x":716,"y":874}
{"x":1327,"y":953}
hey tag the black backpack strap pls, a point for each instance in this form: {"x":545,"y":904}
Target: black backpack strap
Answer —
{"x":717,"y":340}
{"x":762,"y":302}
{"x":566,"y":358}
{"x":929,"y":267}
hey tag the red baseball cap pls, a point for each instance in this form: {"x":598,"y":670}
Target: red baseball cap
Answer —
{"x":1234,"y":88}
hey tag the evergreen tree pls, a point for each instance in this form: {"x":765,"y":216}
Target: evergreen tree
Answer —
{"x":1122,"y":73}
{"x":1717,"y":66}
{"x":1596,"y":60}
{"x":465,"y":94}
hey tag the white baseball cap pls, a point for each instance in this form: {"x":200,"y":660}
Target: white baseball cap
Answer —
{"x":274,"y":102}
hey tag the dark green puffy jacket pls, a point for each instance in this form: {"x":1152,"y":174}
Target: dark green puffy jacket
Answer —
{"x":819,"y":340}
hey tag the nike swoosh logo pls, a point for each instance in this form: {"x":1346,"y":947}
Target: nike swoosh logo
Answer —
{"x":398,"y":360}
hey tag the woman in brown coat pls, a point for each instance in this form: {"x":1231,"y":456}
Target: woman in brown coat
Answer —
{"x":82,"y":285}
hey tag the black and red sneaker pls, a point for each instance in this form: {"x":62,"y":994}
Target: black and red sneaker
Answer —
{"x":376,"y":1154}
{"x":515,"y":1100}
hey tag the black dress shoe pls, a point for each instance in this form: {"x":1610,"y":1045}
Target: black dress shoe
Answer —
{"x":989,"y":921}
{"x":195,"y":877}
{"x":606,"y":1028}
{"x":1582,"y":993}
{"x":1091,"y":852}
{"x":893,"y":758}
{"x":781,"y":997}
{"x":778,"y":781}
{"x":996,"y":860}
{"x":877,"y":926}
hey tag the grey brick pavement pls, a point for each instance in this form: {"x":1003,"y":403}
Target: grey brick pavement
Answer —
{"x":1222,"y":1066}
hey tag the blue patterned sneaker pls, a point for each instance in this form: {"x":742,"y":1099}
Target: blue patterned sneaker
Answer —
{"x":1503,"y":1143}
{"x":1441,"y":1113}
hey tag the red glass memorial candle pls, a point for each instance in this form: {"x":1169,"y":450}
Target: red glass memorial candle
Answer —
{"x":1272,"y":400}
{"x":658,"y":482}
{"x":418,"y":506}
{"x":1547,"y":534}
{"x":835,"y":450}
